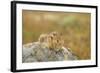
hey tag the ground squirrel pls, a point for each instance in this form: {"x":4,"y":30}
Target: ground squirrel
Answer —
{"x":52,"y":40}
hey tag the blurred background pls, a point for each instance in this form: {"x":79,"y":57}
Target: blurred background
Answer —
{"x":75,"y":28}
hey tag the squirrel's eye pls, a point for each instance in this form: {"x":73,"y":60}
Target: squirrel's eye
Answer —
{"x":57,"y":40}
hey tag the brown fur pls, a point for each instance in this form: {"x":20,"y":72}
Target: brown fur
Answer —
{"x":52,"y":40}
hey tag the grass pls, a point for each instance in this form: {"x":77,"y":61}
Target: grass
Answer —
{"x":75,"y":28}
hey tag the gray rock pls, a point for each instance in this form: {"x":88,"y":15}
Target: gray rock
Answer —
{"x":35,"y":52}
